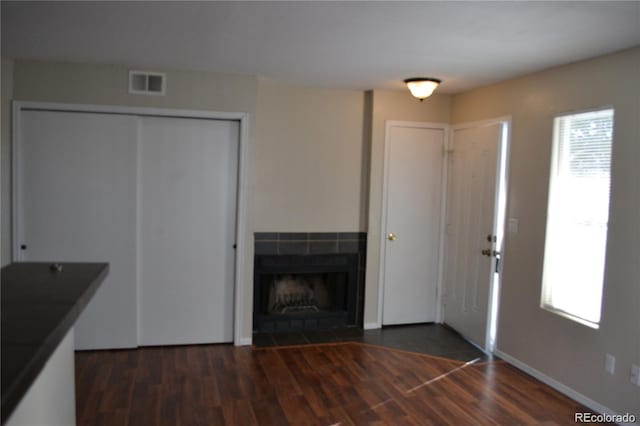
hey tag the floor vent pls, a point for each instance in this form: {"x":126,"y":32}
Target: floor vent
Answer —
{"x":147,"y":82}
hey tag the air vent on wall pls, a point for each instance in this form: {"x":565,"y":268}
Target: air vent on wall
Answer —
{"x":147,"y":82}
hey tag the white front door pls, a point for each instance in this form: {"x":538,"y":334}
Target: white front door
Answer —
{"x":471,"y":231}
{"x":414,"y":162}
{"x":188,"y":181}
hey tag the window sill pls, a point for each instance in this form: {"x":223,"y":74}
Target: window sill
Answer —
{"x":571,"y":317}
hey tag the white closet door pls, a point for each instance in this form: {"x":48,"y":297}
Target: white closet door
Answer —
{"x":188,"y":175}
{"x":414,"y":179}
{"x":76,"y":201}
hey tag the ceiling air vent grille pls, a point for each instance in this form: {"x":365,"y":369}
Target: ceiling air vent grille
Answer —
{"x":147,"y":82}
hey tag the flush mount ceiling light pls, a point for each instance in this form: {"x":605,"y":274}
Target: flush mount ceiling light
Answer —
{"x":422,"y":87}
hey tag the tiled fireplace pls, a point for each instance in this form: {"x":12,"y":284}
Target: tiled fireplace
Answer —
{"x":308,"y":281}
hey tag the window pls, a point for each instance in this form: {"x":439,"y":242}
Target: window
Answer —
{"x":574,"y":256}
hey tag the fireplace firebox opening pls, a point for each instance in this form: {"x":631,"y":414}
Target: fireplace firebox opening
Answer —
{"x":304,"y":292}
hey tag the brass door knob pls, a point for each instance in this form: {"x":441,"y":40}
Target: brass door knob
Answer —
{"x":391,"y":236}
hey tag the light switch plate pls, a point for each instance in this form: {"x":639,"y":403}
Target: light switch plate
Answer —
{"x":635,"y":375}
{"x":610,"y":364}
{"x":512,"y":225}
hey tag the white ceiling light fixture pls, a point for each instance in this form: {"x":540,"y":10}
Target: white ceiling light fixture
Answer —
{"x":422,"y":87}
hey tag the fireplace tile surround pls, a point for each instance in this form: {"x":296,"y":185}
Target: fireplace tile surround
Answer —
{"x":318,"y":243}
{"x":310,"y":243}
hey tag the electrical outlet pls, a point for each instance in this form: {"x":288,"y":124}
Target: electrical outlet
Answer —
{"x":610,"y":364}
{"x":635,"y":375}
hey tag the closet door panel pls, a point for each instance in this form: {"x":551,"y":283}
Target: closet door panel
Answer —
{"x":76,"y":201}
{"x":188,"y":175}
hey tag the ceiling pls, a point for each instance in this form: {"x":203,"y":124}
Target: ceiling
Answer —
{"x":353,"y":45}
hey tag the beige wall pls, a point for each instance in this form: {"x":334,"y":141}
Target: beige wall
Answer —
{"x":570,"y":353}
{"x":5,"y":168}
{"x":108,"y":85}
{"x":389,"y":105}
{"x":308,"y":169}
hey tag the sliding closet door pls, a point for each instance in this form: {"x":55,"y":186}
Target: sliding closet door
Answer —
{"x":76,"y":201}
{"x":188,"y":179}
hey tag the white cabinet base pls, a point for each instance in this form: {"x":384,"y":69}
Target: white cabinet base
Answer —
{"x":51,"y":399}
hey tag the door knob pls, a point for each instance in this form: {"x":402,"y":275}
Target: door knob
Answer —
{"x":486,"y":252}
{"x":391,"y":236}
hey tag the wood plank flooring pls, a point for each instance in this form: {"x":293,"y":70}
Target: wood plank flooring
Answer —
{"x":328,"y":384}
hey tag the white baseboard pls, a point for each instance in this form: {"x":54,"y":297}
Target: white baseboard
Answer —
{"x":244,"y":341}
{"x":371,"y":325}
{"x":564,"y":389}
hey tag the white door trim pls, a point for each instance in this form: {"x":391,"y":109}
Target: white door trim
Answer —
{"x":482,"y":123}
{"x":383,"y":215}
{"x":241,"y":214}
{"x":504,"y":165}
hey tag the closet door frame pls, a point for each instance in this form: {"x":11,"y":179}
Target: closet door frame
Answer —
{"x":243,"y":155}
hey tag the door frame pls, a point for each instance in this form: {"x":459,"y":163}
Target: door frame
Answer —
{"x":383,"y":214}
{"x":502,"y":175}
{"x":241,"y":197}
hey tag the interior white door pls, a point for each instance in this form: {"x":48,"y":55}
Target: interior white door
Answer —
{"x":471,"y":228}
{"x":413,"y":211}
{"x":188,"y":180}
{"x":76,"y":201}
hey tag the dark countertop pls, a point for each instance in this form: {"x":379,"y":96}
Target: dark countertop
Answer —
{"x":39,"y":307}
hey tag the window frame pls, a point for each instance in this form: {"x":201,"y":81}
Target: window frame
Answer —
{"x":553,"y":172}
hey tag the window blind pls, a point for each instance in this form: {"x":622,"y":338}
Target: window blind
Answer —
{"x":578,"y":214}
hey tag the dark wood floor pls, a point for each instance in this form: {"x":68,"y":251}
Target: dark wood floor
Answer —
{"x":327,"y":384}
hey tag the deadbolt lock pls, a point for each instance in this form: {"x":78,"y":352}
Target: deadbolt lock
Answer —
{"x":489,"y":253}
{"x":392,"y":236}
